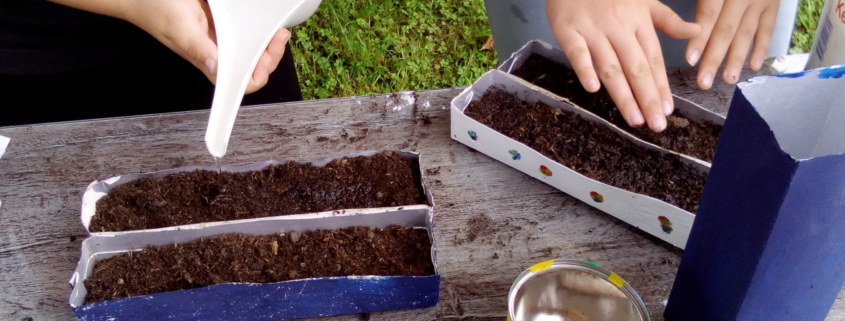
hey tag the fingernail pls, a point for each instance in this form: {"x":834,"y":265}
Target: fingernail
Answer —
{"x":732,"y":75}
{"x":657,"y":123}
{"x":636,"y":119}
{"x":693,"y":57}
{"x":287,"y":37}
{"x":706,"y":80}
{"x":210,"y":65}
{"x":756,"y":63}
{"x":667,"y":108}
{"x":591,"y":84}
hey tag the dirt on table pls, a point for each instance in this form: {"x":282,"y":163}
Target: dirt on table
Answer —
{"x":681,"y":134}
{"x":479,"y":225}
{"x":590,"y":148}
{"x":381,"y":180}
{"x":393,"y":251}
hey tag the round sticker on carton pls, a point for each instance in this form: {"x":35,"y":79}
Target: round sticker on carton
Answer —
{"x":596,"y":197}
{"x":665,"y":224}
{"x":472,"y":135}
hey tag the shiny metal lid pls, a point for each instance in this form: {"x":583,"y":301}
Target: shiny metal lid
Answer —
{"x":571,"y":290}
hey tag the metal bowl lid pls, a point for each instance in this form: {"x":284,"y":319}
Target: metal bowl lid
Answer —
{"x":572,"y":290}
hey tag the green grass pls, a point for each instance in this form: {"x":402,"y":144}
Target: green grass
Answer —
{"x":806,"y":22}
{"x":359,"y":47}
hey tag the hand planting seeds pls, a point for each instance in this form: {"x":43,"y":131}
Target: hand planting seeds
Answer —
{"x":681,"y":135}
{"x":590,"y":148}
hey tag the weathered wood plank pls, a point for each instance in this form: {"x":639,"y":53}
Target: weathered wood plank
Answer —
{"x":517,"y":220}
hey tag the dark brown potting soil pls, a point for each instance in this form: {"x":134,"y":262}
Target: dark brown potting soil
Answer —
{"x":386,"y":179}
{"x":590,"y":148}
{"x":681,"y":134}
{"x":393,"y":251}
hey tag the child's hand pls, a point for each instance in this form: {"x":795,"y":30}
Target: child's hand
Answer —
{"x":187,"y":28}
{"x":729,"y":27}
{"x":616,"y":42}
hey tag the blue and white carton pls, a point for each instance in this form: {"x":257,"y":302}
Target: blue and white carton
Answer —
{"x":768,"y":241}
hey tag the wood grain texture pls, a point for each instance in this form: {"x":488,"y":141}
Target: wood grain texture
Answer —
{"x":47,"y":167}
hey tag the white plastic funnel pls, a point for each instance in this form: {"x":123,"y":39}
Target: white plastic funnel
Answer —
{"x":244,"y":29}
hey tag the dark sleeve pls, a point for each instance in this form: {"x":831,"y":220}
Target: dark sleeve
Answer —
{"x":38,"y":37}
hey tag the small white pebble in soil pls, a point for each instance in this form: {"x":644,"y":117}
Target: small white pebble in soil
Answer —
{"x":295,"y":236}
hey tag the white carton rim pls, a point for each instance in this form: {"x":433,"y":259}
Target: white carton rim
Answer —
{"x":811,"y":126}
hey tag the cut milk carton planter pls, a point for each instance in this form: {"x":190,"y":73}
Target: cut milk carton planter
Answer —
{"x":649,"y":214}
{"x":768,"y":240}
{"x":98,"y":189}
{"x":266,"y":301}
{"x":248,"y":301}
{"x":686,"y":108}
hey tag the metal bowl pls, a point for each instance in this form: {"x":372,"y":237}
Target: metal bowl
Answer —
{"x":571,"y":290}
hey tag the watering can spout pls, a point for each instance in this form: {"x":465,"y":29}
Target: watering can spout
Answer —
{"x":244,"y":29}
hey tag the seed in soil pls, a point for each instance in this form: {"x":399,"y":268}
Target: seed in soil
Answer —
{"x":681,"y":135}
{"x":590,"y":148}
{"x":295,"y":236}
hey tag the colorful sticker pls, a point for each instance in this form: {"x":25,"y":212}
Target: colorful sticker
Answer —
{"x":472,"y":135}
{"x":541,"y":266}
{"x":617,"y":280}
{"x":515,"y":154}
{"x":597,"y":197}
{"x":545,"y":170}
{"x":665,"y":224}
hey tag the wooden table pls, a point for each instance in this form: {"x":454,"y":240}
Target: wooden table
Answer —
{"x":492,"y":221}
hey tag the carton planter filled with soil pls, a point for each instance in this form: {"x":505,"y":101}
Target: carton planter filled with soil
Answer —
{"x":691,"y":130}
{"x":194,"y":197}
{"x":261,"y":270}
{"x":581,"y":154}
{"x":272,"y":267}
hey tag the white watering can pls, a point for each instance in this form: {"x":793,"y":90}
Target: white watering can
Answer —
{"x":244,"y":29}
